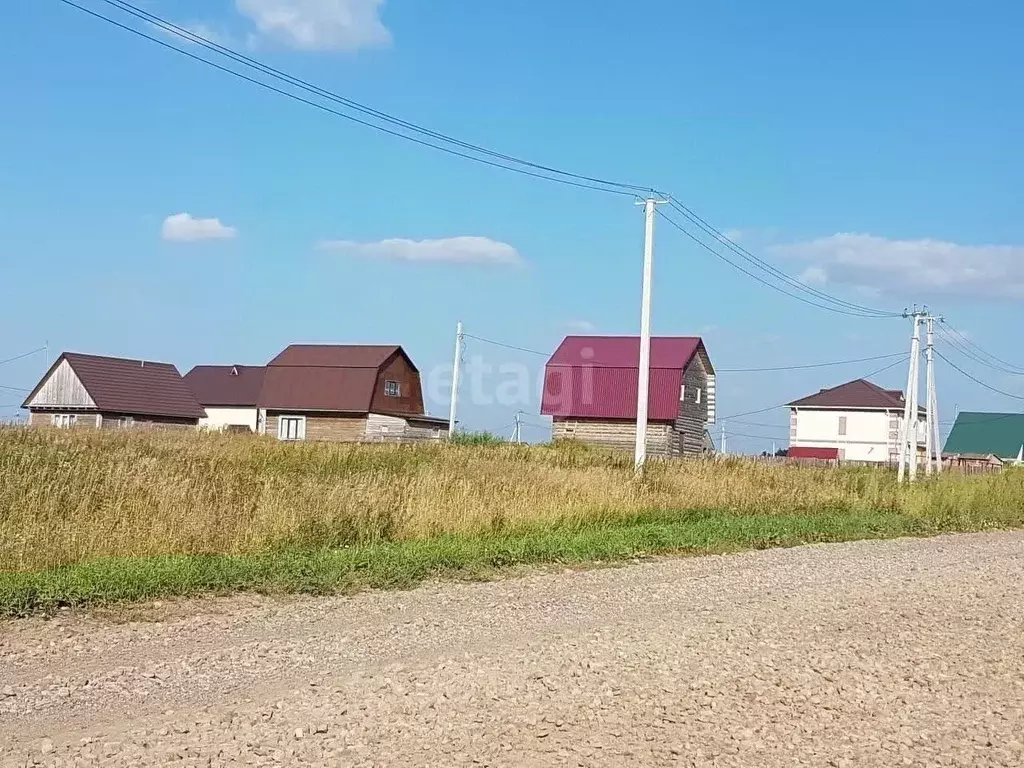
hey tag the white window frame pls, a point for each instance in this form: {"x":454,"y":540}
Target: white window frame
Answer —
{"x":842,"y":427}
{"x":698,"y":395}
{"x":682,"y":393}
{"x":392,"y":388}
{"x":282,"y":427}
{"x":64,"y":420}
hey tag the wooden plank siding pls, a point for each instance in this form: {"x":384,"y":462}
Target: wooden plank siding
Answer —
{"x":617,"y":434}
{"x":692,"y":421}
{"x":326,"y":427}
{"x":84,"y":419}
{"x":62,"y":389}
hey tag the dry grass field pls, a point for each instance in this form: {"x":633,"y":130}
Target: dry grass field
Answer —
{"x":103,"y":499}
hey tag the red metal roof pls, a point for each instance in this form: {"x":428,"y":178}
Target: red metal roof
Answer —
{"x":132,"y":387}
{"x":596,"y":377}
{"x":624,"y":351}
{"x":336,"y":355}
{"x":808,"y":452}
{"x":226,"y":385}
{"x":859,"y":393}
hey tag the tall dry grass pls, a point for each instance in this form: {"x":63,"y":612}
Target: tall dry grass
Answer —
{"x":72,"y":496}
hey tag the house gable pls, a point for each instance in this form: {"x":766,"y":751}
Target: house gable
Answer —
{"x":61,"y":388}
{"x":399,"y":370}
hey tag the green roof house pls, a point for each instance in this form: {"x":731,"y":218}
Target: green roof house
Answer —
{"x":986,"y":437}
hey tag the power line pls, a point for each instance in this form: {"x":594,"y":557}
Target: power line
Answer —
{"x":21,"y":357}
{"x":505,"y":162}
{"x":507,"y":346}
{"x":14,"y":389}
{"x":963,"y":340}
{"x":756,"y":261}
{"x":955,"y":367}
{"x":756,"y":437}
{"x":764,"y":282}
{"x":785,"y":405}
{"x":811,"y":365}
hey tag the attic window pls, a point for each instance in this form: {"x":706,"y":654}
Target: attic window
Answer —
{"x":234,"y":370}
{"x":392,"y":389}
{"x":698,"y":395}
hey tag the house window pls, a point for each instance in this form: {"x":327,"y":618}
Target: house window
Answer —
{"x":698,"y":395}
{"x":842,"y":425}
{"x":682,"y":393}
{"x":124,"y":422}
{"x":64,"y":420}
{"x":392,"y":389}
{"x":291,"y":428}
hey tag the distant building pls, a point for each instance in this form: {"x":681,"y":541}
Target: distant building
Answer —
{"x":229,"y":394}
{"x":111,"y":392}
{"x":856,"y":421}
{"x":590,"y":392}
{"x":990,"y":439}
{"x":346,"y":393}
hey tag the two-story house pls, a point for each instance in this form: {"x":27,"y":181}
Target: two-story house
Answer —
{"x":856,"y":421}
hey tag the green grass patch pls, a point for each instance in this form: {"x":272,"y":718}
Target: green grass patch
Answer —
{"x":403,"y":564}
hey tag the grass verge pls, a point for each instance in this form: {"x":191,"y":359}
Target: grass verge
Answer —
{"x":405,"y":563}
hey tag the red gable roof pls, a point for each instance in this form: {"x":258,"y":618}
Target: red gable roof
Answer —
{"x":859,"y":393}
{"x":226,"y":385}
{"x":336,"y":355}
{"x":325,"y":377}
{"x":596,"y":376}
{"x":132,"y":387}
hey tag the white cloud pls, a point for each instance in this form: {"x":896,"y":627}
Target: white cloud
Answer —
{"x":458,"y":250}
{"x":185,"y":228}
{"x":915,"y":267}
{"x":734,"y":234}
{"x":581,"y":326}
{"x":318,"y":25}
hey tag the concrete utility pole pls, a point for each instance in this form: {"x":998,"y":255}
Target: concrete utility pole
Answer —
{"x":643,"y":382}
{"x":934,"y":447}
{"x":517,"y":430}
{"x":908,"y":436}
{"x":456,"y":364}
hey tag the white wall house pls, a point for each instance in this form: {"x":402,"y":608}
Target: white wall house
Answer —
{"x":228,"y":394}
{"x":224,"y":417}
{"x":856,"y":421}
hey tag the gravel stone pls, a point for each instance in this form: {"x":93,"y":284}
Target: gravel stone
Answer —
{"x":907,"y":652}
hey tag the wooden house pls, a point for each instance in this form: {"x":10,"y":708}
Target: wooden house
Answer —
{"x":80,"y":391}
{"x":345,"y":392}
{"x":590,"y":392}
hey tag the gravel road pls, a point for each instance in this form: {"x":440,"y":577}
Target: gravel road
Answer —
{"x":866,"y":654}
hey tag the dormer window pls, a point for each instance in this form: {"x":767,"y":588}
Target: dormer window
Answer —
{"x":392,"y":388}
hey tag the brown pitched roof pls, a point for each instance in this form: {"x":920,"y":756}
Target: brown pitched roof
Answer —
{"x":226,"y":385}
{"x":336,"y":355}
{"x":325,"y":377}
{"x":318,"y":388}
{"x":133,"y":387}
{"x":859,"y":393}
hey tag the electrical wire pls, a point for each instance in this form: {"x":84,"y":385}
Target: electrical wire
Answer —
{"x":506,"y":162}
{"x":963,"y":340}
{"x":14,"y":389}
{"x":758,"y":278}
{"x":760,"y":263}
{"x":23,"y":356}
{"x":978,"y":381}
{"x":503,"y":344}
{"x":786,"y":405}
{"x":811,"y":365}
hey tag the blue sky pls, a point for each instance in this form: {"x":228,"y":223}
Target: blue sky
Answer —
{"x":789,"y":124}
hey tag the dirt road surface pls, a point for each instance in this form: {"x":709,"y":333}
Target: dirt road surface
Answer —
{"x":865,"y":654}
